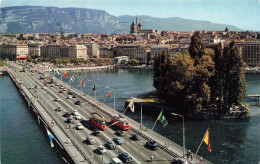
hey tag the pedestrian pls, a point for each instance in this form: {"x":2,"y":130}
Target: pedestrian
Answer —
{"x":188,"y":155}
{"x":151,"y":158}
{"x":191,"y":156}
{"x":201,"y":160}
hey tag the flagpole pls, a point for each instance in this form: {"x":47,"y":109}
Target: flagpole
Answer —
{"x":201,"y":143}
{"x":126,"y":108}
{"x":156,"y":120}
{"x":141,"y":116}
{"x":114,"y":101}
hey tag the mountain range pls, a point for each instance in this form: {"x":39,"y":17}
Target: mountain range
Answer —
{"x":38,"y":19}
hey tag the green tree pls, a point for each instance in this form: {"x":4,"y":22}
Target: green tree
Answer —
{"x":229,"y":79}
{"x":196,"y":49}
{"x":133,"y":62}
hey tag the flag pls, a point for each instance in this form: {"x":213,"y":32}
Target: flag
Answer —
{"x":133,"y":18}
{"x":58,"y":72}
{"x":94,"y":87}
{"x":65,"y":75}
{"x":109,"y":94}
{"x":162,"y":119}
{"x":140,"y":18}
{"x":50,"y":137}
{"x":72,"y":78}
{"x":131,"y":106}
{"x":52,"y":69}
{"x":29,"y":104}
{"x":206,"y":140}
{"x":82,"y":83}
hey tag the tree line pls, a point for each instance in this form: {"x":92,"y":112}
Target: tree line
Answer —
{"x":201,"y":78}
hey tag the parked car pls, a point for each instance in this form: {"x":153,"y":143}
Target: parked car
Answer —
{"x":79,"y":126}
{"x":125,"y":157}
{"x":64,"y":89}
{"x":77,"y":102}
{"x":90,"y":140}
{"x":70,"y":93}
{"x":69,"y":97}
{"x":110,"y":145}
{"x":61,"y":87}
{"x":118,"y":140}
{"x":135,"y":137}
{"x":101,"y":150}
{"x":120,"y":133}
{"x":152,"y":145}
{"x":57,"y":84}
{"x":61,"y":91}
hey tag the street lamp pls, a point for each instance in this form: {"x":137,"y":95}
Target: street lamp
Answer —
{"x":183,"y":133}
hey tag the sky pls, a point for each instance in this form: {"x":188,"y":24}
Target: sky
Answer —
{"x":245,"y":14}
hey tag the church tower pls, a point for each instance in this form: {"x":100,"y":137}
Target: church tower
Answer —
{"x":134,"y":27}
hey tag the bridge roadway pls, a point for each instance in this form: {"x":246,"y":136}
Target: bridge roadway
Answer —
{"x":136,"y":149}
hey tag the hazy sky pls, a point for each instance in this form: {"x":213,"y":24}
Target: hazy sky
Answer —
{"x":244,"y":14}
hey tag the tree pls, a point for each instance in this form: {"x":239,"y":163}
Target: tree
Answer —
{"x":229,"y":79}
{"x":196,"y":49}
{"x":133,"y":62}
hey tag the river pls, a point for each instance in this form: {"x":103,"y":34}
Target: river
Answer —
{"x":232,"y":141}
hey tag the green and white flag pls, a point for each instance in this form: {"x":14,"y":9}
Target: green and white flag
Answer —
{"x":162,"y":119}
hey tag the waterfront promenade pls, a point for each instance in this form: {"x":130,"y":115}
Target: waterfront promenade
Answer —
{"x":45,"y":106}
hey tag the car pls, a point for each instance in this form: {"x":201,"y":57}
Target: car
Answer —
{"x":58,"y":109}
{"x":120,"y":133}
{"x":78,"y":117}
{"x":77,"y":102}
{"x":110,"y":145}
{"x":96,"y":133}
{"x":90,"y":140}
{"x":179,"y":161}
{"x":57,"y":84}
{"x":74,"y":96}
{"x":57,"y":99}
{"x":36,"y":87}
{"x":69,"y":97}
{"x":152,"y":145}
{"x":70,"y":121}
{"x":51,"y":85}
{"x":61,"y":91}
{"x":118,"y":140}
{"x":116,"y":161}
{"x":61,"y":87}
{"x":79,"y":126}
{"x":64,"y":89}
{"x":125,"y":157}
{"x":66,"y":114}
{"x":42,"y":77}
{"x":70,"y":93}
{"x":101,"y":150}
{"x":135,"y":137}
{"x":44,"y":87}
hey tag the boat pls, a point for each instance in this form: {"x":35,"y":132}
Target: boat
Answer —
{"x":98,"y":121}
{"x":123,"y":123}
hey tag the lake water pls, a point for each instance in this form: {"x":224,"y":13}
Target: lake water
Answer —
{"x":232,"y":141}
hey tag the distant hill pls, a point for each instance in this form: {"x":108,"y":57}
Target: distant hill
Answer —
{"x":37,"y":19}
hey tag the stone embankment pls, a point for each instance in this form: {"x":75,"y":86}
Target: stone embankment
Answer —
{"x":84,"y":68}
{"x":252,"y":70}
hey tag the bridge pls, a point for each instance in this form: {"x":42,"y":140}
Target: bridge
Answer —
{"x":41,"y":97}
{"x":253,"y":98}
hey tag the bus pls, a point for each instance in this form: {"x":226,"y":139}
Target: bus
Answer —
{"x":123,"y":123}
{"x":98,"y":121}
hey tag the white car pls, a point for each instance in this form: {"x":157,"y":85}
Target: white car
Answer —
{"x":78,"y":117}
{"x":44,"y":87}
{"x":79,"y":126}
{"x":101,"y":149}
{"x":57,"y":99}
{"x":57,"y":84}
{"x":69,"y":97}
{"x":61,"y":87}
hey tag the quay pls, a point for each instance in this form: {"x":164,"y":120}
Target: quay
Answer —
{"x":42,"y":100}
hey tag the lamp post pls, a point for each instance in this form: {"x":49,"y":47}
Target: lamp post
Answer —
{"x":183,"y":132}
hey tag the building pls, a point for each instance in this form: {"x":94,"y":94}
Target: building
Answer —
{"x":106,"y":52}
{"x":51,"y":51}
{"x":156,"y":49}
{"x":77,"y":51}
{"x":119,"y":59}
{"x":250,"y":52}
{"x":93,"y":50}
{"x":34,"y":50}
